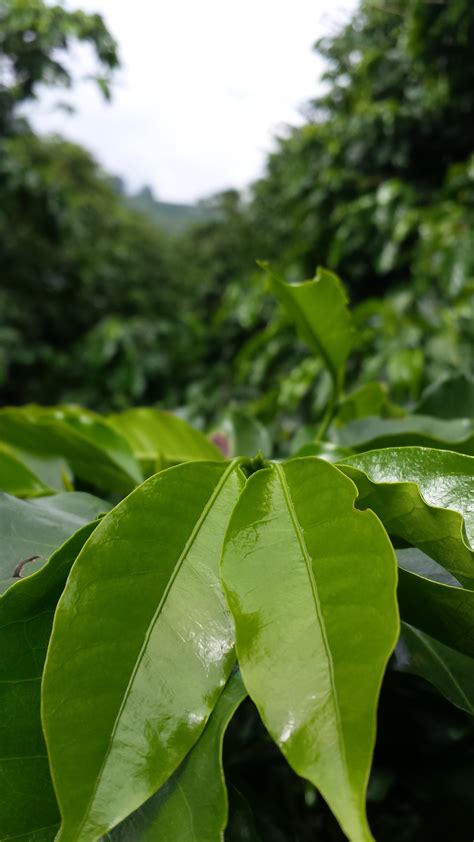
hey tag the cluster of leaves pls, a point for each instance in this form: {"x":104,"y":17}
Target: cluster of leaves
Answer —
{"x":34,"y":40}
{"x":386,"y":148}
{"x":377,"y":185}
{"x":134,"y":626}
{"x":96,"y":320}
{"x":90,"y":288}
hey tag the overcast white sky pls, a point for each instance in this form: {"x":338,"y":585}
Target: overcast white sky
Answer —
{"x":203,"y":87}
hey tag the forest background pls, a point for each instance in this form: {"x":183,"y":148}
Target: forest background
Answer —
{"x":377,"y":185}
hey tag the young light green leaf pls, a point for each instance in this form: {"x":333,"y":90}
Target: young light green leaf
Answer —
{"x":319,"y":310}
{"x":372,"y":433}
{"x":445,"y":612}
{"x":448,"y":670}
{"x":141,"y":648}
{"x":423,"y":496}
{"x":159,"y":439}
{"x":17,"y":478}
{"x":93,"y":448}
{"x":192,"y":805}
{"x":28,"y":808}
{"x":34,"y":529}
{"x":311,"y":584}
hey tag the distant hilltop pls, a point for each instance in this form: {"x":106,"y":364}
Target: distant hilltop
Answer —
{"x":172,"y":217}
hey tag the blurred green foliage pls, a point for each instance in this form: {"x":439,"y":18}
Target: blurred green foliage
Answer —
{"x":98,"y":305}
{"x":34,"y":40}
{"x":377,"y":185}
{"x":90,"y":289}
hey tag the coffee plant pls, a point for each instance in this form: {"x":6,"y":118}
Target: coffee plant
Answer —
{"x":153,"y":577}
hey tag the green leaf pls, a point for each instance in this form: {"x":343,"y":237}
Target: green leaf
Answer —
{"x":451,"y":398}
{"x":325,"y":450}
{"x":311,"y":584}
{"x":53,"y":471}
{"x":449,"y":671}
{"x":192,"y":805}
{"x":418,"y":562}
{"x":34,"y":529}
{"x":93,"y":448}
{"x":17,"y":478}
{"x":442,"y":611}
{"x":373,"y":433}
{"x":160,"y":439}
{"x":368,"y":399}
{"x":28,"y":808}
{"x":241,"y":826}
{"x":141,"y":648}
{"x":320,"y":312}
{"x":423,"y":496}
{"x":243,"y":435}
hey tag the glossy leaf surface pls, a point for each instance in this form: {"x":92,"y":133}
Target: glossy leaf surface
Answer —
{"x":28,"y":809}
{"x":448,"y":670}
{"x":420,"y":430}
{"x":192,"y":805}
{"x":423,"y":496}
{"x":320,"y":312}
{"x":160,"y":439}
{"x":96,"y":452}
{"x":311,"y":584}
{"x":141,"y":648}
{"x":36,"y":528}
{"x":442,"y":611}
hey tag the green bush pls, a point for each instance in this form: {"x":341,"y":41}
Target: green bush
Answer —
{"x":134,"y":626}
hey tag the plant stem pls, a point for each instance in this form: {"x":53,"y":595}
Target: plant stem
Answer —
{"x":328,"y":415}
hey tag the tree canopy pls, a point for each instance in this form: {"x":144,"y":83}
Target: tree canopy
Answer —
{"x":377,"y":185}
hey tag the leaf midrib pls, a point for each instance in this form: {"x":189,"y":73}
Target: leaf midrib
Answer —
{"x":319,"y":613}
{"x":179,"y":563}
